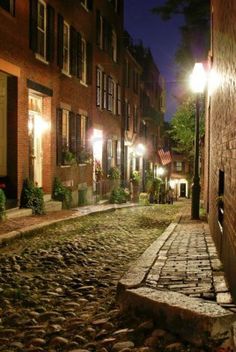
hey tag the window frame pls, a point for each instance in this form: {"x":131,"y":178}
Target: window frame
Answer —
{"x":98,"y":87}
{"x":42,"y":30}
{"x":178,"y":166}
{"x":110,"y":94}
{"x":83,"y":131}
{"x":118,"y":98}
{"x":114,"y":45}
{"x":66,"y":135}
{"x":64,"y":69}
{"x":11,"y":9}
{"x":84,"y":61}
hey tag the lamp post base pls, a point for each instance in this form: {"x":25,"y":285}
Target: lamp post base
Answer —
{"x":195,"y":200}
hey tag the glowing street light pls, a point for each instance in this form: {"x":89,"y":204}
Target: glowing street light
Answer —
{"x":198,"y":82}
{"x":160,"y":171}
{"x":140,"y":150}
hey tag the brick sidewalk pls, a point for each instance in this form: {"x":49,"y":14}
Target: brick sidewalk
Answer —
{"x":180,"y":278}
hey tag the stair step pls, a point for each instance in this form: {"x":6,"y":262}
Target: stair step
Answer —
{"x":18,"y":212}
{"x":53,"y":205}
{"x":47,"y":197}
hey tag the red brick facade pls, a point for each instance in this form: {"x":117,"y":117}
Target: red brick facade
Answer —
{"x":64,"y":68}
{"x":220,"y":151}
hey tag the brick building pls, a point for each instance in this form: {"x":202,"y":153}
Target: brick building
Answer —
{"x":62,"y":94}
{"x":220,"y":141}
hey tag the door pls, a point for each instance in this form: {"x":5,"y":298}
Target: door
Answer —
{"x":183,"y":190}
{"x":3,"y":125}
{"x":35,"y":130}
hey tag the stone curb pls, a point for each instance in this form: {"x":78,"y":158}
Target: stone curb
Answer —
{"x":138,"y":271}
{"x":27,"y":231}
{"x":179,"y":313}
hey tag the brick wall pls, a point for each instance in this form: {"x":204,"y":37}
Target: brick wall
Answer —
{"x":220,"y":154}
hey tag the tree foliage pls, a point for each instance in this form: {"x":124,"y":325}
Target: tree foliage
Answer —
{"x":182,"y":127}
{"x":195,"y":31}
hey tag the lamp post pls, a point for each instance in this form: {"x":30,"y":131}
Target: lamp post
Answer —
{"x":198,"y":82}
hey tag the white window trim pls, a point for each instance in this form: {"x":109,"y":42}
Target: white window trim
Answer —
{"x":84,"y":62}
{"x":83,"y":120}
{"x":66,"y":113}
{"x":42,"y":30}
{"x":66,"y":72}
{"x":99,"y":86}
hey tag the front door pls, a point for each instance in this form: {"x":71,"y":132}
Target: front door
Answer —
{"x":3,"y":125}
{"x":183,"y":190}
{"x":35,"y":130}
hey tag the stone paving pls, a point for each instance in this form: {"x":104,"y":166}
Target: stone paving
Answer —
{"x":188,"y":263}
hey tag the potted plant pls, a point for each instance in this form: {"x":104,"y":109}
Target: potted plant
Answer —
{"x":135,"y":182}
{"x":114,"y":177}
{"x":68,"y":157}
{"x":85,"y":156}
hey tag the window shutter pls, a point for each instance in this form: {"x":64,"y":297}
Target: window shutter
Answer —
{"x":50,"y":33}
{"x":90,"y":5}
{"x":72,"y":132}
{"x":59,"y":136}
{"x":79,"y":56}
{"x":78,"y":136}
{"x":60,"y":24}
{"x":98,"y":28}
{"x":104,"y":157}
{"x":33,"y":24}
{"x":89,"y":64}
{"x":73,"y":51}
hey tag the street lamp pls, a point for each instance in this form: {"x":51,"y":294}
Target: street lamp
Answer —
{"x":197,"y":82}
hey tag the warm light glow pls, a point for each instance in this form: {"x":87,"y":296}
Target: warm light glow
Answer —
{"x":214,"y":81}
{"x":198,"y":78}
{"x":97,"y":142}
{"x":140,"y":149}
{"x":38,"y":125}
{"x":173,"y":183}
{"x":160,"y":171}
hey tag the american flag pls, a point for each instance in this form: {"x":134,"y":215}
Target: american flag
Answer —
{"x":165,"y":156}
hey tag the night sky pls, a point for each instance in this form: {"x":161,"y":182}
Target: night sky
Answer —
{"x":161,"y":36}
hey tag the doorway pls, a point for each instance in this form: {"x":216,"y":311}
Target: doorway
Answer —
{"x":183,"y":190}
{"x":35,"y":134}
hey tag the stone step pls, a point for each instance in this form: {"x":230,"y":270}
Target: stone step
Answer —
{"x":47,"y":197}
{"x":18,"y":212}
{"x":53,"y":205}
{"x":195,"y":320}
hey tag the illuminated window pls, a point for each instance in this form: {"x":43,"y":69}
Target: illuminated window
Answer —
{"x":66,"y":48}
{"x":42,"y":29}
{"x":83,"y":129}
{"x":178,"y":166}
{"x":65,"y":129}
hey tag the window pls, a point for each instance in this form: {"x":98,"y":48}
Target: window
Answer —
{"x":135,"y":122}
{"x":84,"y":60}
{"x":127,"y":116}
{"x":98,"y":87}
{"x":118,"y":153}
{"x":178,"y":166}
{"x":83,"y":129}
{"x":41,"y":29}
{"x":72,"y":137}
{"x":65,"y":129}
{"x":109,"y":153}
{"x":118,"y":99}
{"x":66,"y":48}
{"x":110,"y":99}
{"x":104,"y":91}
{"x":8,"y":5}
{"x":114,"y":46}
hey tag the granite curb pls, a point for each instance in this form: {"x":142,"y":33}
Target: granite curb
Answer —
{"x":83,"y":211}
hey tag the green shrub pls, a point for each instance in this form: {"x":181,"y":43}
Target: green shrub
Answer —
{"x":149,"y":177}
{"x":144,"y":199}
{"x":2,"y":205}
{"x":32,"y":197}
{"x":154,"y":190}
{"x":119,"y":195}
{"x":114,"y":173}
{"x":135,"y":177}
{"x":62,"y":193}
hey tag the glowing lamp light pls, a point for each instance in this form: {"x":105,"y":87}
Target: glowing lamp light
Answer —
{"x":173,"y":183}
{"x":198,"y":78}
{"x":160,"y":171}
{"x":140,"y":150}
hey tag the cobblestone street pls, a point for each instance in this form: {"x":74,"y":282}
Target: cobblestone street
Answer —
{"x":58,"y":287}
